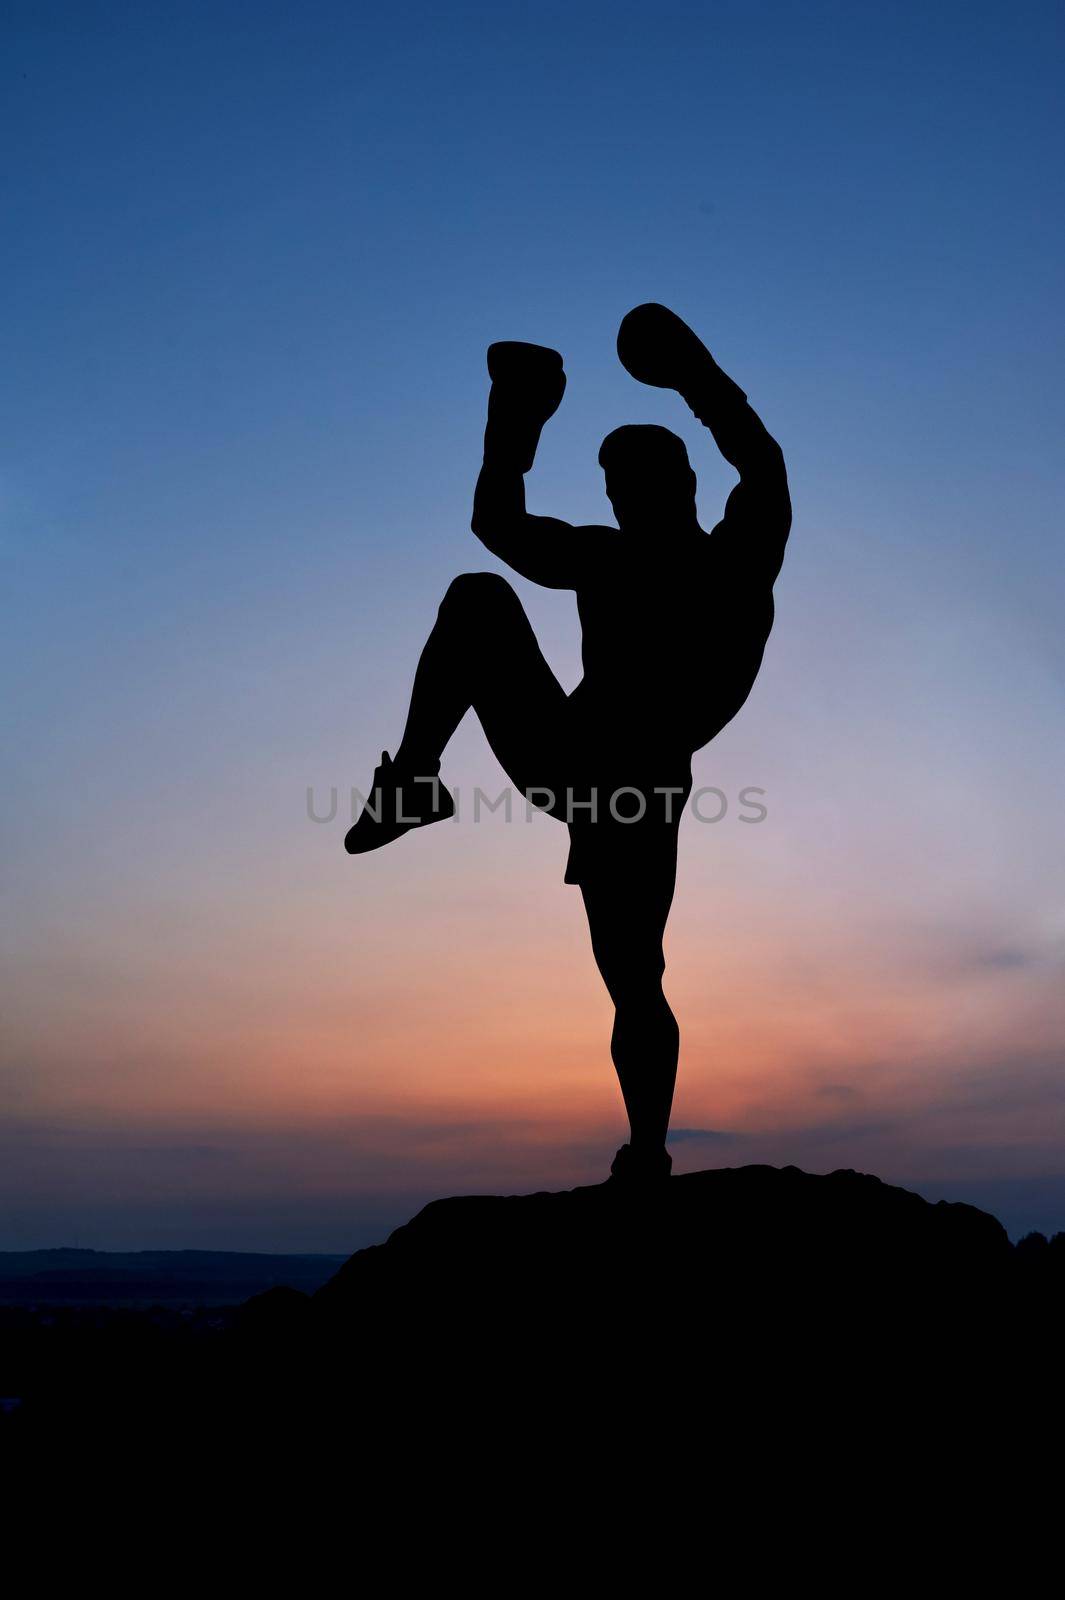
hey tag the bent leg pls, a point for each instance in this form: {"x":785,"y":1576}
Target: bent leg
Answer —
{"x":627,"y":919}
{"x":482,"y":653}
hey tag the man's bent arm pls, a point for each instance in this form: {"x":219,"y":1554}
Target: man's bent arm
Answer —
{"x":525,"y":392}
{"x":757,"y":516}
{"x":540,"y":548}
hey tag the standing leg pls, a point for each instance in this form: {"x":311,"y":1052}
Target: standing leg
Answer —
{"x":627,"y":920}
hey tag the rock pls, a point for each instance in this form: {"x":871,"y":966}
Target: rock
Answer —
{"x":580,"y":1297}
{"x":755,"y":1227}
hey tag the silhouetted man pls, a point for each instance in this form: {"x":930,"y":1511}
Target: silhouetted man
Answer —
{"x":674,"y":624}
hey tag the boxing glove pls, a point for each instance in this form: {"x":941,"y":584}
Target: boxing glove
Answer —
{"x":656,"y":347}
{"x":527,"y":388}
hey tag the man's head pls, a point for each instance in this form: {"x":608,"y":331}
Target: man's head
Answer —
{"x":649,"y":480}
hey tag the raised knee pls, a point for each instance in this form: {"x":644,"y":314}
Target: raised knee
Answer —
{"x":478,"y":591}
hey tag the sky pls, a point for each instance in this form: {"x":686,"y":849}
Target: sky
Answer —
{"x":253,"y":257}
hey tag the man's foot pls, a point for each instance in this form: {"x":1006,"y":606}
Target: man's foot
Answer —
{"x":398,"y":801}
{"x":642,"y":1167}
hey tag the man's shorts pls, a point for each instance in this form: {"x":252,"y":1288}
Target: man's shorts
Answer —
{"x":623,"y":842}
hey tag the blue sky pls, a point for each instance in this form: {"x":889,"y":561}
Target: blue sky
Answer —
{"x":253,"y":257}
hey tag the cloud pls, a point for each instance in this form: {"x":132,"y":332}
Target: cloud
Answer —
{"x":717,"y":1135}
{"x":1003,"y":958}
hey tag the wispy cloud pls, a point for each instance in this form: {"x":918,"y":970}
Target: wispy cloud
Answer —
{"x":714,"y":1135}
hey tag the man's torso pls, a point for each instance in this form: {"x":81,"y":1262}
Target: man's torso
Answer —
{"x":673,"y":637}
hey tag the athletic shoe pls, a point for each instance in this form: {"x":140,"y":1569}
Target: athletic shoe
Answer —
{"x":398,"y":801}
{"x":643,"y":1167}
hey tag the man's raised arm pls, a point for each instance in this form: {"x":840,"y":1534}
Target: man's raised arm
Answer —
{"x":757,"y":517}
{"x":527,"y":387}
{"x":658,"y":348}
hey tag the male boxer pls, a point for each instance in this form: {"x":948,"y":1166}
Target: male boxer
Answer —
{"x":674,"y":624}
